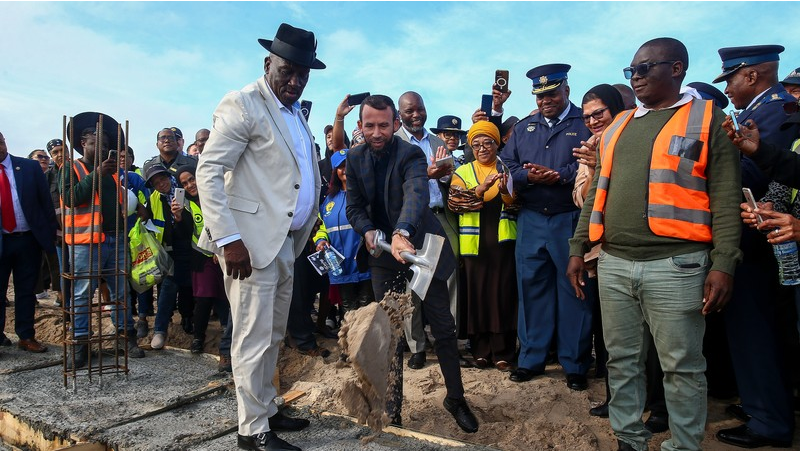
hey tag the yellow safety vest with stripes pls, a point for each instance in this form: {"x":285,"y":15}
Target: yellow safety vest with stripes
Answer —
{"x":197,"y":220}
{"x":469,"y":222}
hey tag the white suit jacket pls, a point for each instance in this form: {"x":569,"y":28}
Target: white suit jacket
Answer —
{"x":248,"y":177}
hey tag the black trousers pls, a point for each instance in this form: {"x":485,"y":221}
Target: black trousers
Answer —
{"x":436,"y":308}
{"x":306,"y":283}
{"x":22,"y":255}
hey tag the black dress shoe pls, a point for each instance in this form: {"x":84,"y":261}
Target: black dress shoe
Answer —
{"x":657,"y":423}
{"x":417,"y":360}
{"x":462,"y":414}
{"x":522,"y":374}
{"x":282,"y":422}
{"x":746,"y":438}
{"x":602,"y":411}
{"x":738,"y":411}
{"x":577,"y":382}
{"x":265,"y":441}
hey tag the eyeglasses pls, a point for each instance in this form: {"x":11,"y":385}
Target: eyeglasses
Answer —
{"x":166,"y":138}
{"x":642,"y":69}
{"x":488,"y":144}
{"x":42,"y":157}
{"x":596,"y":114}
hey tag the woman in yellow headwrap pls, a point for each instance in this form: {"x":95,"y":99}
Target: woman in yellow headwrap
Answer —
{"x":479,"y":193}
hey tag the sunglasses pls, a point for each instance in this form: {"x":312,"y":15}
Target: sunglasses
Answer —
{"x":642,"y":69}
{"x":42,"y":157}
{"x":596,"y":114}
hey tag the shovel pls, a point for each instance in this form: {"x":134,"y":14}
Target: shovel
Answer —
{"x":423,"y":262}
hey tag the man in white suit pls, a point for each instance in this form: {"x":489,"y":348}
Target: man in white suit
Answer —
{"x":259,"y":184}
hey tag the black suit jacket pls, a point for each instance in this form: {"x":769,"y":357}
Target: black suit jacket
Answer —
{"x":406,"y":200}
{"x":37,"y":206}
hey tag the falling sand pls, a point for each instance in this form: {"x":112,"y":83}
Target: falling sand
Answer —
{"x":368,"y":339}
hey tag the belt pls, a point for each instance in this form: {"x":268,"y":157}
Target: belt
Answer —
{"x":437,"y":210}
{"x":27,"y":232}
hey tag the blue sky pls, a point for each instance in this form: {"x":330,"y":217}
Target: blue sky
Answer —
{"x":160,"y":64}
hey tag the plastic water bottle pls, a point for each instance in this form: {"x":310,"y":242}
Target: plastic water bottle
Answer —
{"x":787,"y":255}
{"x":333,"y":262}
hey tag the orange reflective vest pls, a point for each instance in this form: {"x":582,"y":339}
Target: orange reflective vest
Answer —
{"x":83,"y":224}
{"x":678,"y":203}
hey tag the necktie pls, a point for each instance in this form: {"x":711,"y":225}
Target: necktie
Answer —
{"x":6,"y":203}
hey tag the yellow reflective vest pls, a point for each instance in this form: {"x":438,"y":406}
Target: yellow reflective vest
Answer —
{"x":469,"y":222}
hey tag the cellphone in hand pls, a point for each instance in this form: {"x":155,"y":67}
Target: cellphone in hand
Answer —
{"x":501,"y":80}
{"x":306,"y":107}
{"x":178,"y":196}
{"x":750,"y":200}
{"x":355,"y":100}
{"x":487,"y":104}
{"x":112,"y":155}
{"x":447,"y":161}
{"x":735,"y":122}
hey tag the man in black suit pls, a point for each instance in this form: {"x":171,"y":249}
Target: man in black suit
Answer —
{"x":387,"y":190}
{"x":28,"y":227}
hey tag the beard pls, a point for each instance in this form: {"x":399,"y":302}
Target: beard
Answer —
{"x":414,"y":129}
{"x":383,"y":148}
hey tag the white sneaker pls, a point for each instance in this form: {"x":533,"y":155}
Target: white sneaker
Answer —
{"x":43,"y":295}
{"x":158,"y":341}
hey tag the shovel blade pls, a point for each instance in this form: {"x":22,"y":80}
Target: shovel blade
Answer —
{"x":424,"y":264}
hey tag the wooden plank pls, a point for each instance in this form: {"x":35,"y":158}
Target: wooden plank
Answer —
{"x":19,"y":434}
{"x":402,"y":432}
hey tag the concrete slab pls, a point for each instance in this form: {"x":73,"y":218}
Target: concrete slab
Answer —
{"x":171,"y":400}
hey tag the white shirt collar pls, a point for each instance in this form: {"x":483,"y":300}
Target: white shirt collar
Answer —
{"x":757,"y":98}
{"x":686,"y":98}
{"x":7,"y":161}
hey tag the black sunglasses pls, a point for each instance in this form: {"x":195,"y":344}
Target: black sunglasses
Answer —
{"x":596,"y":114}
{"x":642,"y":69}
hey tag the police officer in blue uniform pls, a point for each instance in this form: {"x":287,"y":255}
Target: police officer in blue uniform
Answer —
{"x":539,"y":155}
{"x":753,"y":87}
{"x":707,"y":91}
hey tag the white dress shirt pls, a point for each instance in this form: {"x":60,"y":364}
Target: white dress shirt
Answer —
{"x":435,"y":198}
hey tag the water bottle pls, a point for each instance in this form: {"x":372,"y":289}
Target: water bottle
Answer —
{"x":787,"y":255}
{"x":332,"y":260}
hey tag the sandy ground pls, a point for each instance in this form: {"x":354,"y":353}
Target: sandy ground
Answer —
{"x":543,"y":414}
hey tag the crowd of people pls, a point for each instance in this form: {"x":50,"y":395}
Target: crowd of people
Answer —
{"x":610,"y":235}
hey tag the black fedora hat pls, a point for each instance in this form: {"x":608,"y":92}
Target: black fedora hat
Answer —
{"x":86,"y":120}
{"x":294,"y":44}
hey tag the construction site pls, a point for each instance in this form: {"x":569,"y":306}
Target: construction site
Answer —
{"x":174,"y":400}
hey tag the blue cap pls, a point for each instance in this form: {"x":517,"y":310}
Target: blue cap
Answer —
{"x":448,"y":123}
{"x":338,"y":158}
{"x":792,"y":79}
{"x":735,"y":58}
{"x":547,"y":77}
{"x":707,"y":91}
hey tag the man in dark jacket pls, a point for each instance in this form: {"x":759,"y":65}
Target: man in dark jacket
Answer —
{"x":387,"y":190}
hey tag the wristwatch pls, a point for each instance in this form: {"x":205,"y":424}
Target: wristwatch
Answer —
{"x":401,"y":232}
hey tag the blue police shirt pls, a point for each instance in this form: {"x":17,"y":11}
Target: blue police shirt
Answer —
{"x":532,"y":141}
